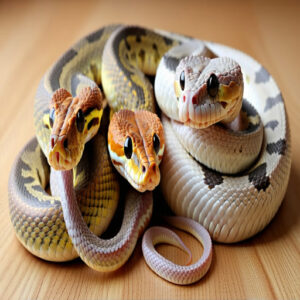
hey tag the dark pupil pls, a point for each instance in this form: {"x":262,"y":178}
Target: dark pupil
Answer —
{"x":51,"y":117}
{"x":128,"y":147}
{"x":156,"y":143}
{"x":80,"y":120}
{"x":66,"y":143}
{"x":212,"y":85}
{"x":182,"y":80}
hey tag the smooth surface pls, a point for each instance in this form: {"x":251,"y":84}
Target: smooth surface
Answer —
{"x":34,"y":34}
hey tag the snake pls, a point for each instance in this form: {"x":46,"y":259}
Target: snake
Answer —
{"x":233,"y":185}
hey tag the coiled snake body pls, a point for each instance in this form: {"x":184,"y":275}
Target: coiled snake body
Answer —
{"x":231,"y":207}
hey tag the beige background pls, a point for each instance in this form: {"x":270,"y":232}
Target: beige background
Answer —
{"x":32,"y":36}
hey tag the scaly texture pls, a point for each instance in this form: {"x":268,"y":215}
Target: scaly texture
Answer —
{"x":104,"y":255}
{"x":38,"y":217}
{"x":167,"y":269}
{"x":231,"y":208}
{"x":144,"y":132}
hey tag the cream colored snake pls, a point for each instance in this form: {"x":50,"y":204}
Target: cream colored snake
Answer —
{"x":191,"y":90}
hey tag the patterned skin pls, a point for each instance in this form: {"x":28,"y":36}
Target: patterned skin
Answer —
{"x":120,"y":58}
{"x":143,"y":132}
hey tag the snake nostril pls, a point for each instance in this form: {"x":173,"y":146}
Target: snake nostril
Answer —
{"x":143,"y":169}
{"x":66,"y":143}
{"x":194,"y":100}
{"x":224,"y":104}
{"x":52,"y":142}
{"x":153,"y":168}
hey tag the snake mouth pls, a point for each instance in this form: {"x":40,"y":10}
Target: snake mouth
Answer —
{"x":147,"y":182}
{"x":59,"y":161}
{"x":224,"y":108}
{"x":64,"y":156}
{"x":226,"y":111}
{"x":199,"y":109}
{"x":207,"y":114}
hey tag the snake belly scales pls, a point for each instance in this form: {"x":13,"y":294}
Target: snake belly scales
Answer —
{"x":233,"y":201}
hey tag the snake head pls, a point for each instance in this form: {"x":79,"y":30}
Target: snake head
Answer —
{"x":208,"y":90}
{"x":73,"y":122}
{"x":136,"y":145}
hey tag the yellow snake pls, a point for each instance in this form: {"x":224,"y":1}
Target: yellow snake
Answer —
{"x":69,"y":103}
{"x":64,"y":123}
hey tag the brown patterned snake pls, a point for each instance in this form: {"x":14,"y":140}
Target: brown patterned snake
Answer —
{"x":201,"y":92}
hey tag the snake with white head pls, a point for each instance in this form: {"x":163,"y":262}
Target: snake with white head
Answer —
{"x":203,"y":93}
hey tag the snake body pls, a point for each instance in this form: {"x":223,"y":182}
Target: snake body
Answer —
{"x":217,"y":201}
{"x":231,"y":207}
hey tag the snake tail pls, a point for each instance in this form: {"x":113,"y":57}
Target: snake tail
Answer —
{"x":168,"y":270}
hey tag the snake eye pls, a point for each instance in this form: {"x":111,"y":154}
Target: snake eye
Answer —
{"x":212,"y":85}
{"x":182,"y":80}
{"x":156,"y":143}
{"x":51,"y":117}
{"x":128,"y":147}
{"x":80,"y":120}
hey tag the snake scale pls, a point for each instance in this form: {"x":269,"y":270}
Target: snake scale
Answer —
{"x":233,"y":186}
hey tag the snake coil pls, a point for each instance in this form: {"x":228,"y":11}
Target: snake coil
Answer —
{"x":231,"y":207}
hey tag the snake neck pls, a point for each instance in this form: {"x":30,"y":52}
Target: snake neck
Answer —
{"x":99,"y":254}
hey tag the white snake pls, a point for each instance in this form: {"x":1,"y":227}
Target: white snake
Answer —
{"x":232,"y":207}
